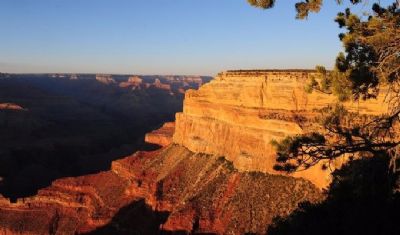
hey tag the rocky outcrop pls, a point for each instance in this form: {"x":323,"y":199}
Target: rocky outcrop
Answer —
{"x":11,"y":106}
{"x":134,"y":82}
{"x":239,"y":113}
{"x":200,"y":193}
{"x":162,"y":136}
{"x":172,"y":84}
{"x":105,"y":79}
{"x":158,"y":84}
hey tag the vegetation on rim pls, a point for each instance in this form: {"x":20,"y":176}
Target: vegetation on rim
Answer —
{"x":371,"y":61}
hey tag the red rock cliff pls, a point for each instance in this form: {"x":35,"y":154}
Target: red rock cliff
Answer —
{"x":239,"y":113}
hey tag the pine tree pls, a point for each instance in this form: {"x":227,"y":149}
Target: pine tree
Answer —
{"x":371,"y":60}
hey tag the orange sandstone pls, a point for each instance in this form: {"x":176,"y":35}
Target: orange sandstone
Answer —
{"x":162,"y":136}
{"x":215,"y":177}
{"x":239,"y":113}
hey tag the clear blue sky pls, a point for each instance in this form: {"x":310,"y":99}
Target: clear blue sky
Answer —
{"x":161,"y":36}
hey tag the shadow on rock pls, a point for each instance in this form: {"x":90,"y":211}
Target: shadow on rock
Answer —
{"x":361,"y":200}
{"x":72,"y":127}
{"x":136,"y":218}
{"x":38,"y":173}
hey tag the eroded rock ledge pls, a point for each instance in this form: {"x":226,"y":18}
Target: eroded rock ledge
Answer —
{"x":197,"y":192}
{"x":162,"y":136}
{"x":240,"y":112}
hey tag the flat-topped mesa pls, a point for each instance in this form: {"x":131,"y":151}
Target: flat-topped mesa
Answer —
{"x":239,"y":113}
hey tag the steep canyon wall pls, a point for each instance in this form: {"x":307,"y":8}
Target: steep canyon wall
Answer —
{"x":239,"y":113}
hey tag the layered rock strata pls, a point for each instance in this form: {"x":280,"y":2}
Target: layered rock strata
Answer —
{"x":197,"y":193}
{"x":173,"y":84}
{"x":239,"y":113}
{"x":162,"y":136}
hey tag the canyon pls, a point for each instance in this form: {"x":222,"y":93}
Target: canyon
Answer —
{"x":60,"y":125}
{"x":213,"y":172}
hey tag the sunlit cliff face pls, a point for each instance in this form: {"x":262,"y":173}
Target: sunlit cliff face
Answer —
{"x":239,"y":113}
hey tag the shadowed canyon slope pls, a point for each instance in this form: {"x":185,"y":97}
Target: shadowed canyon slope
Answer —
{"x":58,"y":125}
{"x":213,"y":173}
{"x":183,"y":191}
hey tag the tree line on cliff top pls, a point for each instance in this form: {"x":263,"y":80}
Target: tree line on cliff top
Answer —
{"x":364,"y":196}
{"x":371,"y":60}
